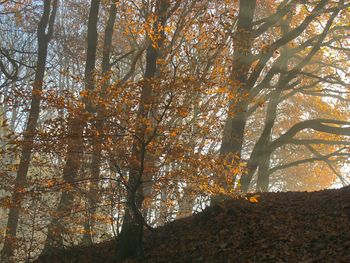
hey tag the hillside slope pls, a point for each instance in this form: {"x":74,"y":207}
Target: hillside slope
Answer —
{"x":281,"y":227}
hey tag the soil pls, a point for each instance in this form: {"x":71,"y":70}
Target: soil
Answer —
{"x":265,"y":227}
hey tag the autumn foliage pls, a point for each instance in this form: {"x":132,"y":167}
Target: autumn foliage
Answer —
{"x":121,"y":116}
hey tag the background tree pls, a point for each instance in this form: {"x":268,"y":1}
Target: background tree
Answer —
{"x":45,"y":31}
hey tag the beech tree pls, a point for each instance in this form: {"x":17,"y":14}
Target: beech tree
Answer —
{"x":260,"y":148}
{"x":55,"y":234}
{"x":144,"y":112}
{"x":44,"y":32}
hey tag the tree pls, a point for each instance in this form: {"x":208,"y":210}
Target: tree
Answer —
{"x":44,"y":31}
{"x":56,"y":230}
{"x":260,"y":149}
{"x":97,"y":142}
{"x":131,"y":233}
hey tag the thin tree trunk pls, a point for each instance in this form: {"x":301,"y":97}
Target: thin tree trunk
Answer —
{"x":44,"y":35}
{"x":97,"y":142}
{"x":130,"y":238}
{"x":56,"y":229}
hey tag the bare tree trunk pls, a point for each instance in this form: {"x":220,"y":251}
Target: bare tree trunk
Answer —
{"x":44,"y":35}
{"x":97,"y":142}
{"x":233,"y":134}
{"x":260,"y":156}
{"x":56,"y":228}
{"x":263,"y":174}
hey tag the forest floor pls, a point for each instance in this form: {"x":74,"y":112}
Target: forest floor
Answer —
{"x":268,"y":227}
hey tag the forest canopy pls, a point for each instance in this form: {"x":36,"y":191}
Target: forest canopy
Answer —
{"x":120,"y":115}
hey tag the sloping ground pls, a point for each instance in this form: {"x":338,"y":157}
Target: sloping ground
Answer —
{"x":281,"y":227}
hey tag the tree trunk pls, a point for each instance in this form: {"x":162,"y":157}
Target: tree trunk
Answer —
{"x":233,"y":135}
{"x":260,"y":154}
{"x":44,"y":35}
{"x":262,"y":184}
{"x":56,"y":228}
{"x":130,"y":238}
{"x":97,"y":142}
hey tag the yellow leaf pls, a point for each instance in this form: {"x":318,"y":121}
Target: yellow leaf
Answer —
{"x":254,"y":199}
